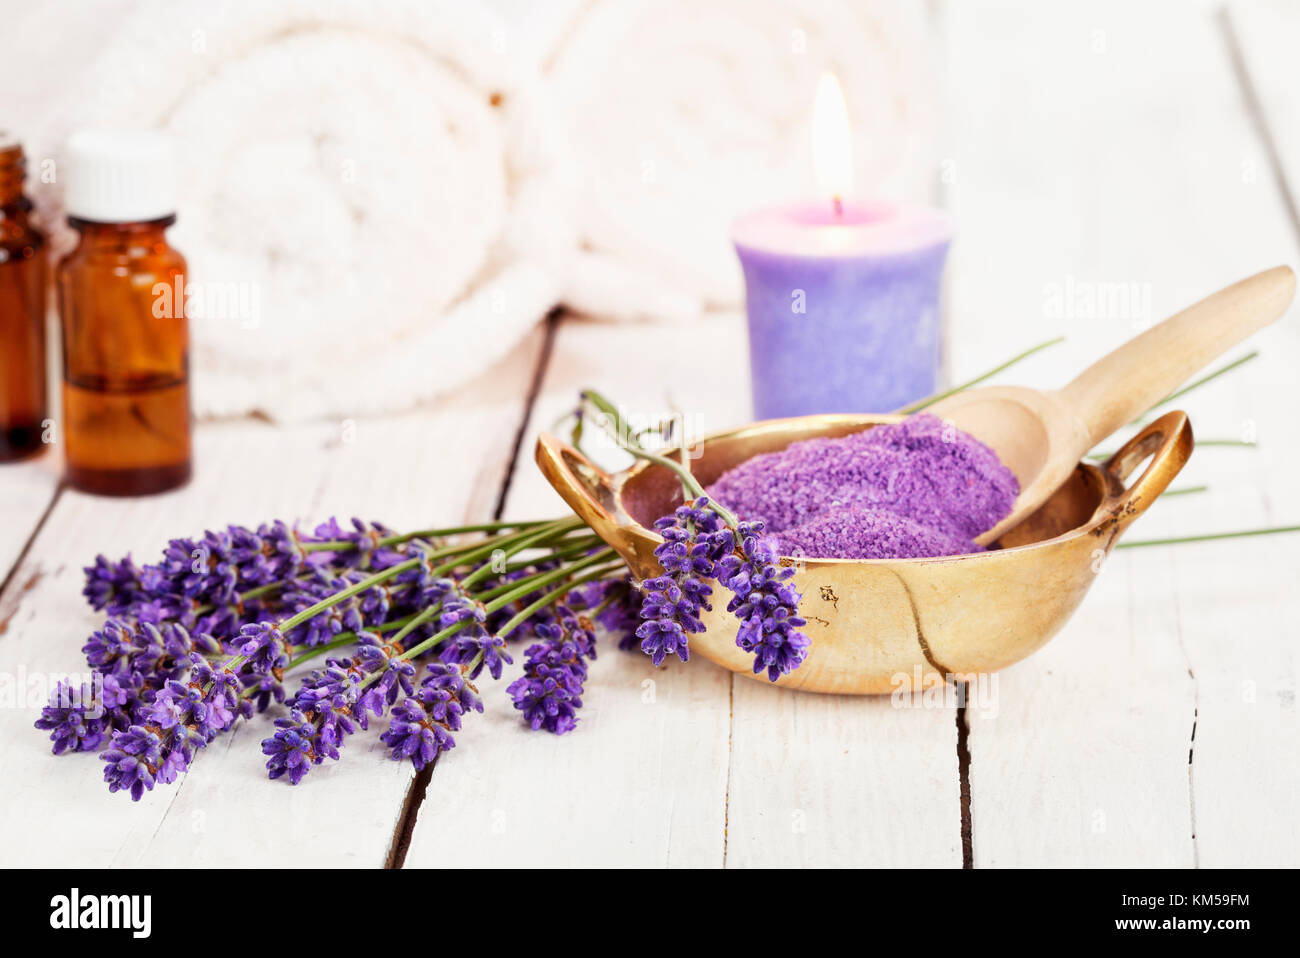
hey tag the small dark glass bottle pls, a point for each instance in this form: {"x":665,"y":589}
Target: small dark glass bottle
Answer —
{"x":126,"y":399}
{"x":23,"y":255}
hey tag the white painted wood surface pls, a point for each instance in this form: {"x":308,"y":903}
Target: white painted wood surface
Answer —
{"x":1137,"y":167}
{"x":1102,"y":149}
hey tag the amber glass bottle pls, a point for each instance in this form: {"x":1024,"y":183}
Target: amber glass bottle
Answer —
{"x":22,"y":313}
{"x":126,"y":403}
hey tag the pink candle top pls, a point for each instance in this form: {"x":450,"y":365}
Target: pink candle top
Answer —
{"x":816,"y":230}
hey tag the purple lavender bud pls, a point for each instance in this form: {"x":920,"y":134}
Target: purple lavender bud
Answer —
{"x":765,"y":603}
{"x":76,"y":721}
{"x":290,"y":748}
{"x":549,"y":693}
{"x":263,"y":645}
{"x":413,"y":734}
{"x":140,"y":756}
{"x":695,"y":538}
{"x":133,"y":762}
{"x":421,"y":726}
{"x":111,"y":648}
{"x":111,"y":586}
{"x":363,"y":536}
{"x":473,"y":645}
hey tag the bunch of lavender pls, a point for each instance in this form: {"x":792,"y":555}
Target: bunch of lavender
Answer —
{"x":206,"y":636}
{"x":703,"y":541}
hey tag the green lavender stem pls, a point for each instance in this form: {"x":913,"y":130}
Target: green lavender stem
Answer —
{"x":509,"y":544}
{"x":931,"y":400}
{"x":1240,"y":443}
{"x":526,"y":613}
{"x":504,"y":600}
{"x":1186,"y":490}
{"x":344,"y":545}
{"x":1175,"y":540}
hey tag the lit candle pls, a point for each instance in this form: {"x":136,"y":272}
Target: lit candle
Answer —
{"x":842,"y":294}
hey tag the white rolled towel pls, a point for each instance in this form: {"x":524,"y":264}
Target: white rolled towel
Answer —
{"x":363,"y":192}
{"x":679,"y":114}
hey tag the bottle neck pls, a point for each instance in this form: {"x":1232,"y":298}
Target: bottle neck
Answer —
{"x":145,"y":233}
{"x":13,"y":166}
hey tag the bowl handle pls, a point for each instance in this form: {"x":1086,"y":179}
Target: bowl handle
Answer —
{"x":590,"y":493}
{"x":1168,"y":441}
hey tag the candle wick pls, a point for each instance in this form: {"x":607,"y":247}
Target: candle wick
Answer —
{"x":839,"y":205}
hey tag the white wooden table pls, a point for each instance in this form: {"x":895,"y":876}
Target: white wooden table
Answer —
{"x":1121,"y":144}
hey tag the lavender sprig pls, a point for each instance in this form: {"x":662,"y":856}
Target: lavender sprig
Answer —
{"x":549,"y":693}
{"x":766,"y":604}
{"x":695,"y":538}
{"x":423,"y":723}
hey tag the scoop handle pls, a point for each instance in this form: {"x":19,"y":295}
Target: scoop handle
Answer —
{"x":1122,"y":385}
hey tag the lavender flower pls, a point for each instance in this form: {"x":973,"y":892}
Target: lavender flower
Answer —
{"x":363,"y":538}
{"x":135,"y":762}
{"x":320,"y":719}
{"x":290,"y":748}
{"x":181,"y":719}
{"x":549,"y":693}
{"x":473,"y":645}
{"x":136,"y":663}
{"x":199,"y":582}
{"x":421,"y":726}
{"x":111,"y":586}
{"x":392,"y":675}
{"x":344,"y":616}
{"x":766,"y":604}
{"x":80,"y":719}
{"x":695,"y":538}
{"x":263,"y":646}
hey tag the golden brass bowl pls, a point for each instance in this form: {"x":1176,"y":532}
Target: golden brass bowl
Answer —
{"x":874,"y":624}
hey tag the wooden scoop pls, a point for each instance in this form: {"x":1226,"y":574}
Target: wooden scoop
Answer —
{"x":1041,"y":436}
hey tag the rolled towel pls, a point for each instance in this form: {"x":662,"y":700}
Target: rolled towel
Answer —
{"x":679,"y":115}
{"x":363,"y":192}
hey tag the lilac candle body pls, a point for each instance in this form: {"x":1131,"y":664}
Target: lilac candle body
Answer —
{"x":843,"y":304}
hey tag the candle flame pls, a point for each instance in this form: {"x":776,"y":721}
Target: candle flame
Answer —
{"x":832,"y":145}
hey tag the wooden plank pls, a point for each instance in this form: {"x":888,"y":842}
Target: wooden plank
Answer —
{"x":1261,"y":35}
{"x":26,"y":490}
{"x":441,"y":465}
{"x":836,"y":781}
{"x":1241,"y":639}
{"x":642,"y":780}
{"x":651,"y":781}
{"x":1100,"y":197}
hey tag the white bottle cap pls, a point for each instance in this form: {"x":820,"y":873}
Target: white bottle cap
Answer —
{"x":119,"y":176}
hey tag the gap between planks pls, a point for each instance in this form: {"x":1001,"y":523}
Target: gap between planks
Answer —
{"x":419,"y":787}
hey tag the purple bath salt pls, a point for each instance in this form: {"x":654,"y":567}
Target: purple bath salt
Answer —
{"x":937,"y":477}
{"x":858,"y":533}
